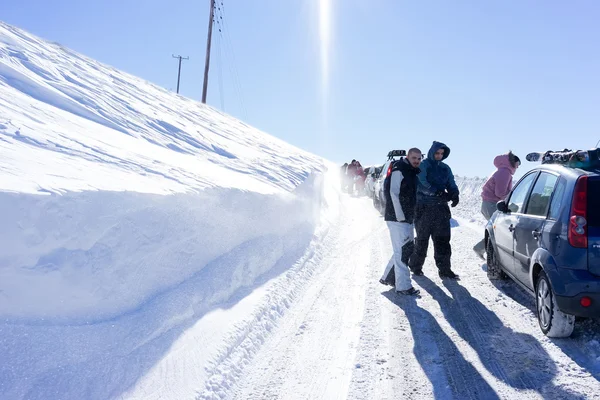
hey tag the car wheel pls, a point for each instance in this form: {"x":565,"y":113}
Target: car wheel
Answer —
{"x":494,"y":271}
{"x":553,"y":322}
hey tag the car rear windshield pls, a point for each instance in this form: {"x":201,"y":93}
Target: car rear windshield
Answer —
{"x":593,"y":201}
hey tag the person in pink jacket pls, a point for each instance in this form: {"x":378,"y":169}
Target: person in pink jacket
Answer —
{"x":496,"y":188}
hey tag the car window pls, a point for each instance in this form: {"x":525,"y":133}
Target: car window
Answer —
{"x":519,"y":193}
{"x":557,"y":199}
{"x":539,"y":199}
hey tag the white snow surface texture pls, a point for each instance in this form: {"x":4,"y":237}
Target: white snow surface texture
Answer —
{"x":152,"y":247}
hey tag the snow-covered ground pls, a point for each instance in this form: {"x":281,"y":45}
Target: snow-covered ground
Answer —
{"x":154,"y":248}
{"x":351,"y":337}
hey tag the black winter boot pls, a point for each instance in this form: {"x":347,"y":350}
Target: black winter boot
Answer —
{"x":448,"y":274}
{"x":386,"y":283}
{"x":409,"y":292}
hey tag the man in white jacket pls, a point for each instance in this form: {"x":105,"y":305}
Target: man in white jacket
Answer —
{"x":400,"y":189}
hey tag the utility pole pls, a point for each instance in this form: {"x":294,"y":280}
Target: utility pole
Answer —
{"x":206,"y":66}
{"x":179,"y":72}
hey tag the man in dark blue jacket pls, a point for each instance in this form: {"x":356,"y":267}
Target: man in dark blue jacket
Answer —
{"x":435,"y":189}
{"x":400,"y":189}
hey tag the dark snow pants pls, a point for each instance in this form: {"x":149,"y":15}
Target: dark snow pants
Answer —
{"x":432,"y":221}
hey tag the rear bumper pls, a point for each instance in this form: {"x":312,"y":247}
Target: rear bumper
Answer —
{"x":572,"y":305}
{"x":570,"y":285}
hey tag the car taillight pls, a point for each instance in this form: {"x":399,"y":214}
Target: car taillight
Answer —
{"x":389,"y":170}
{"x":578,"y":220}
{"x":585,"y":301}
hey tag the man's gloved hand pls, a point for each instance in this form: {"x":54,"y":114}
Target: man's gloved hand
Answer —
{"x":443,"y":195}
{"x":454,"y":201}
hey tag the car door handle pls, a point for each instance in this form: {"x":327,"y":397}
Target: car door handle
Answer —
{"x":511,"y":228}
{"x":536,"y":234}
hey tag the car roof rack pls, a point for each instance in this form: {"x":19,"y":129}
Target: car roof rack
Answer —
{"x":584,"y":159}
{"x":396,"y":153}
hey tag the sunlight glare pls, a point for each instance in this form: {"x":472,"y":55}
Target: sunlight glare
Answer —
{"x":325,"y":39}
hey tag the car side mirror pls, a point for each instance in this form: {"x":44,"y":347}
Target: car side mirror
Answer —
{"x":502,"y":207}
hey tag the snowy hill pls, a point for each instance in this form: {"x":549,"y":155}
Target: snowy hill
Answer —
{"x":88,"y":239}
{"x":118,"y":132}
{"x":71,"y":124}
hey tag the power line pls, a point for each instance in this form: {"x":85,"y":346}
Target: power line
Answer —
{"x":233,"y":64}
{"x":179,"y":70}
{"x":217,"y":18}
{"x":220,"y":67}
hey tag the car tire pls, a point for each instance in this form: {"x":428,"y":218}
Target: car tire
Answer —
{"x":553,"y":322}
{"x":494,"y":271}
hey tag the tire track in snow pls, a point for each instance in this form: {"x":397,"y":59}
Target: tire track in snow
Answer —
{"x":246,"y":339}
{"x":382,"y":369}
{"x":311,"y":354}
{"x":372,"y":362}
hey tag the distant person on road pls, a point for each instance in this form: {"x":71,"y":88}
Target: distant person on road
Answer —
{"x":496,"y":188}
{"x":343,"y":177}
{"x":350,"y":174}
{"x":359,"y":180}
{"x":432,"y":215}
{"x":400,"y":189}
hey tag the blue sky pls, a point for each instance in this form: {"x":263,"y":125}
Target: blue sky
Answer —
{"x":481,"y":76}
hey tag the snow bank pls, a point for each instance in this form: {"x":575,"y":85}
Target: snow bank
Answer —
{"x":114,"y":145}
{"x":84,"y":257}
{"x":197,"y":297}
{"x":470,"y":199}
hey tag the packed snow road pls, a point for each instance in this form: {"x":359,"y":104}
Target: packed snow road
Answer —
{"x":347,"y":336}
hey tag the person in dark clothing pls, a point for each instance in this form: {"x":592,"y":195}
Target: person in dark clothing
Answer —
{"x":343,"y":178}
{"x":400,"y":189}
{"x":436,"y":187}
{"x":350,"y":174}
